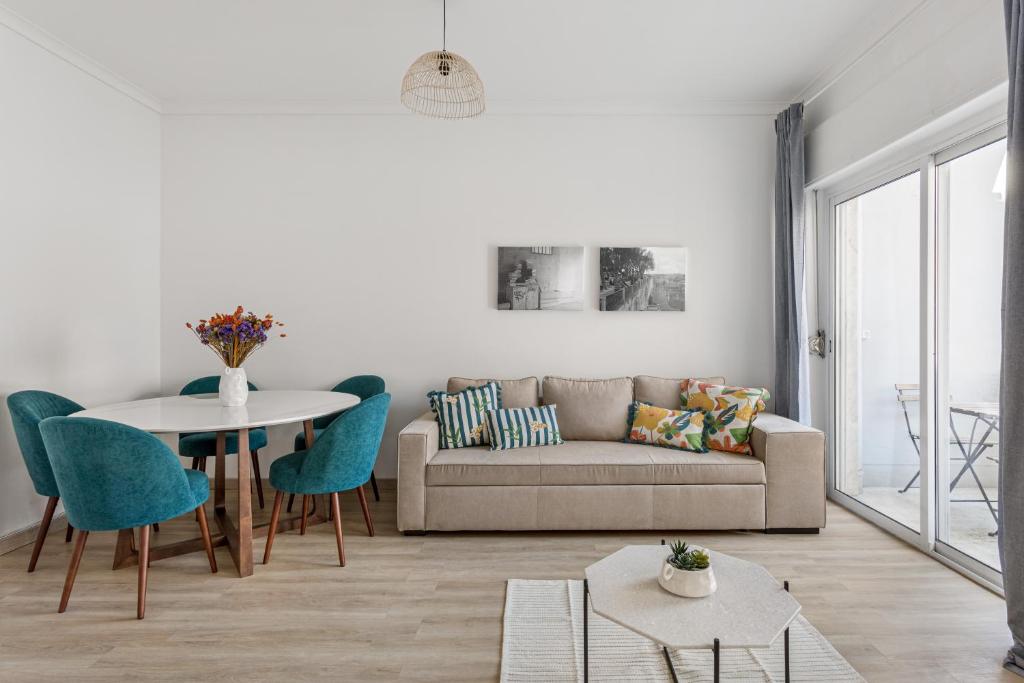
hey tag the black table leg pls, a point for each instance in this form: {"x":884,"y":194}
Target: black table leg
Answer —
{"x":717,"y":661}
{"x":785,"y":584}
{"x":668,"y":661}
{"x":786,"y":636}
{"x":586,"y":654}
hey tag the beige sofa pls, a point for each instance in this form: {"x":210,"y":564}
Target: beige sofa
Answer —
{"x":595,"y":481}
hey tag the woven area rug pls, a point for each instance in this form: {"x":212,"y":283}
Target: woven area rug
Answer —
{"x":543,"y":641}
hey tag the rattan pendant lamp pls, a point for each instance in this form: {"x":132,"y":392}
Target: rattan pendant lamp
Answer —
{"x":442,"y":84}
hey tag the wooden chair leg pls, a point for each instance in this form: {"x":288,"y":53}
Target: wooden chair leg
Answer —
{"x":76,"y":559}
{"x":68,"y":533}
{"x":305,"y":515}
{"x":156,"y":527}
{"x":143,"y":569}
{"x":272,"y":531}
{"x":373,"y":485}
{"x":204,"y":529}
{"x":336,"y":507}
{"x":202,"y":464}
{"x":195,"y":463}
{"x":291,"y":499}
{"x":44,"y":527}
{"x":366,"y":509}
{"x":256,"y":473}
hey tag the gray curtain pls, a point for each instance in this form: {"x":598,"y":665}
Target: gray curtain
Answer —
{"x":791,"y":390}
{"x":1011,"y":390}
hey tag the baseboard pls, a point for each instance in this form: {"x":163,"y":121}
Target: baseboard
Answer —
{"x":23,"y":537}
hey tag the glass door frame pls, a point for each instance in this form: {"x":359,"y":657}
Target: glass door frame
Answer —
{"x":837,"y":389}
{"x":921,"y":158}
{"x":942,"y":391}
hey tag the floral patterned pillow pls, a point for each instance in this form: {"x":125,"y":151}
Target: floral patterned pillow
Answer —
{"x":461,"y":416}
{"x":681,"y":429}
{"x":729,"y":411}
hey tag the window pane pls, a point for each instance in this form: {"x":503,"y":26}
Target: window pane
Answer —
{"x":970,"y":219}
{"x":878,"y":365}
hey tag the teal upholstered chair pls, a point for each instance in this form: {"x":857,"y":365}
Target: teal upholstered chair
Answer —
{"x":363,"y":386}
{"x":112,"y":477}
{"x":28,"y":409}
{"x":340,"y":460}
{"x":202,"y":445}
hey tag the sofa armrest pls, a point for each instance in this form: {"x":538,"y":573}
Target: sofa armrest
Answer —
{"x":794,"y":463}
{"x":417,"y":444}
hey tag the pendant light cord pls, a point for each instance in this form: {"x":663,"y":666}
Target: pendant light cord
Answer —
{"x":444,"y":25}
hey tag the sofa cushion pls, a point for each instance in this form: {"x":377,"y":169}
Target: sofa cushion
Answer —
{"x":510,"y":428}
{"x":515,"y":393}
{"x":591,"y":409}
{"x":713,"y":467}
{"x":595,"y":463}
{"x":480,"y":467}
{"x":663,"y":392}
{"x":461,"y":415}
{"x":679,"y":429}
{"x":729,"y":413}
{"x":590,"y":463}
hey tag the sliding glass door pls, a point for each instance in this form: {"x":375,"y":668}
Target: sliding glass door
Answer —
{"x":877,"y":337}
{"x":916,"y":262}
{"x":969,"y":220}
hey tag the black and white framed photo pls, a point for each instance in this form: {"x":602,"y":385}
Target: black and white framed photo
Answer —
{"x":540,"y":278}
{"x":643,"y":279}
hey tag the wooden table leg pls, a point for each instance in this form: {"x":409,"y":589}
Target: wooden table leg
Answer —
{"x":124,"y":551}
{"x":244,"y":560}
{"x":238,"y":535}
{"x":218,"y":476}
{"x":307,"y":428}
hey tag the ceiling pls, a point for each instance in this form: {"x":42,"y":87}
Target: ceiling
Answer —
{"x":633,"y":55}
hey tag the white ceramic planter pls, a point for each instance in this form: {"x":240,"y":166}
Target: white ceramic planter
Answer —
{"x":234,"y":387}
{"x":695,"y":584}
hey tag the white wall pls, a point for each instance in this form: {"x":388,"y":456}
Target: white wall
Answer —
{"x":375,"y":240}
{"x":944,"y":55}
{"x":79,"y":266}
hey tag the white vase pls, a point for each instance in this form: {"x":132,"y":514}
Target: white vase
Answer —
{"x":234,"y":387}
{"x":688,"y":584}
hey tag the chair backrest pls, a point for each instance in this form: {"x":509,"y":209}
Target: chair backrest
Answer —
{"x":908,"y":393}
{"x":363,"y":386}
{"x":207,"y":385}
{"x":28,"y":409}
{"x":112,"y":476}
{"x":343,"y":456}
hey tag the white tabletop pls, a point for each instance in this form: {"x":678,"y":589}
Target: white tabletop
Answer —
{"x":986,"y":409}
{"x":204,"y":413}
{"x":750,"y":608}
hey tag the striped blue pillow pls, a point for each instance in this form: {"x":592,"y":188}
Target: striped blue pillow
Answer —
{"x":461,"y":416}
{"x":520,"y":427}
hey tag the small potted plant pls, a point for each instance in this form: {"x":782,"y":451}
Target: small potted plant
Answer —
{"x":687,"y":572}
{"x":233,"y":337}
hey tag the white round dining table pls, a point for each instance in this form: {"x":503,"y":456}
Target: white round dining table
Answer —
{"x":204,"y":413}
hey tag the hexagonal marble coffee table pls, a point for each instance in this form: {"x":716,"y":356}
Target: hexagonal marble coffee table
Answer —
{"x":749,"y":610}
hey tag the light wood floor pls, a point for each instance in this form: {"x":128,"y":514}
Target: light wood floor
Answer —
{"x":430,"y":607}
